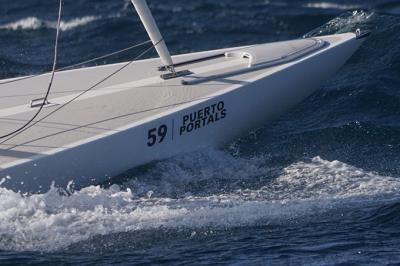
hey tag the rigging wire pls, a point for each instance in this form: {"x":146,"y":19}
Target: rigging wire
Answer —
{"x":21,"y":129}
{"x":12,"y":135}
{"x":79,"y":64}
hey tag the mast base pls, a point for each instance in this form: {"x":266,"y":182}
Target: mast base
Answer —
{"x":177,"y":74}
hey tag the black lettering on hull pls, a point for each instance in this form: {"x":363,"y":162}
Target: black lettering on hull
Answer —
{"x":202,"y":118}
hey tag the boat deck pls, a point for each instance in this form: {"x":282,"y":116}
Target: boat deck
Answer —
{"x":134,"y":94}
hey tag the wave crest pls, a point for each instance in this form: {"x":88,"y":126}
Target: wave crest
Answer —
{"x":348,"y":22}
{"x":329,"y":5}
{"x":34,"y":23}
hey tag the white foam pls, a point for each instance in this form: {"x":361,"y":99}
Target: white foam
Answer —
{"x":50,"y":221}
{"x":34,"y":23}
{"x":77,"y":22}
{"x":328,"y":5}
{"x":29,"y":23}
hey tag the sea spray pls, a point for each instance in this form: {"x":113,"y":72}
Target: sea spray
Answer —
{"x":54,"y":221}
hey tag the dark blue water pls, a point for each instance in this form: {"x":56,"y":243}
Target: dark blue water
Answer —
{"x":320,"y":186}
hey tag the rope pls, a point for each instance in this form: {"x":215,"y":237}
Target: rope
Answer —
{"x":80,"y":64}
{"x":21,"y":129}
{"x":82,"y":93}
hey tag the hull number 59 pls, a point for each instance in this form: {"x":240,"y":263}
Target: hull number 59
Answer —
{"x":157,"y":135}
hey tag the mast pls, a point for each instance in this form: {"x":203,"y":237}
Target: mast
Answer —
{"x":154,"y":33}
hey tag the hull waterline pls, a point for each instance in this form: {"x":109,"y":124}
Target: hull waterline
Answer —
{"x":210,"y":121}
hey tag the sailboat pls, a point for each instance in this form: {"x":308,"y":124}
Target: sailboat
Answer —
{"x":98,"y":122}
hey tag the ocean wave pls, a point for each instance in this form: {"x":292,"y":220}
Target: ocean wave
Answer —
{"x":34,"y":23}
{"x":53,"y":221}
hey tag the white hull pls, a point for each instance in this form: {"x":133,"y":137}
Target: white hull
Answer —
{"x":238,"y":108}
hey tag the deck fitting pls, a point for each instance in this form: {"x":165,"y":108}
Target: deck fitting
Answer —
{"x":176,"y":74}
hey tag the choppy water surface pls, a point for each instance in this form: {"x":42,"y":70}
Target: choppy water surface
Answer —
{"x":319,"y":186}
